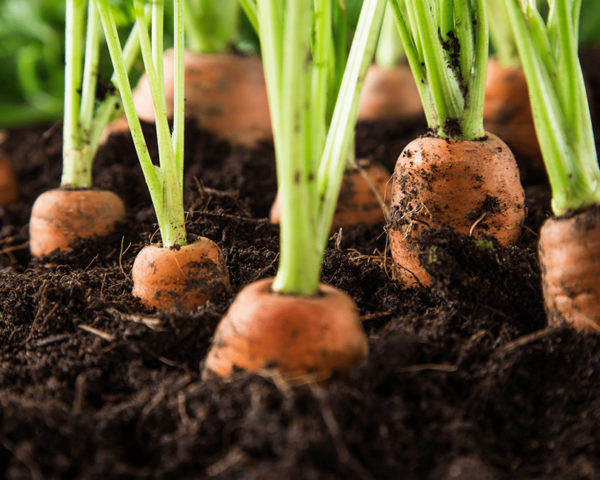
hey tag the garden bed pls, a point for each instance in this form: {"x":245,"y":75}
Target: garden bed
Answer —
{"x":464,"y":379}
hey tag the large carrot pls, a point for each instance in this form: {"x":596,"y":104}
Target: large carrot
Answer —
{"x":457,"y":176}
{"x":292,"y":323}
{"x":175,"y":274}
{"x":9,"y":185}
{"x":76,"y":210}
{"x":363,"y":190}
{"x":569,"y":245}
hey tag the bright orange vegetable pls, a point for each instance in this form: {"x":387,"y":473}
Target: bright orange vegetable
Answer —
{"x":61,"y":217}
{"x":313,"y":337}
{"x":181,"y":278}
{"x":471,"y":186}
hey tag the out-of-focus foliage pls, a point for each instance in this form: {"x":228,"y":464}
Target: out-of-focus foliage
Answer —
{"x":589,"y":33}
{"x":31,"y":52}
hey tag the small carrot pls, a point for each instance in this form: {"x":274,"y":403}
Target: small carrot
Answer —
{"x":293,"y":323}
{"x":181,"y":278}
{"x":458,"y":176}
{"x":569,"y":244}
{"x":61,"y":217}
{"x":9,"y":185}
{"x":330,"y":342}
{"x":364,"y":191}
{"x":178,"y":275}
{"x":76,"y":210}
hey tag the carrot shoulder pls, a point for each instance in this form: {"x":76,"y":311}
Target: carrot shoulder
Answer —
{"x":317,"y":336}
{"x":181,"y":278}
{"x":472,"y":187}
{"x":61,"y":217}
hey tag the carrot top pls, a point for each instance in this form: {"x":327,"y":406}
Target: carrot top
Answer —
{"x":84,"y":120}
{"x":548,"y":51}
{"x":165,"y":182}
{"x":313,"y":114}
{"x":446,"y":44}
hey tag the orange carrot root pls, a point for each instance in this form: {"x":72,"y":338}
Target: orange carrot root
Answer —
{"x":60,"y":217}
{"x":471,"y":186}
{"x":9,"y":185}
{"x":181,"y":278}
{"x":225,"y":94}
{"x":507,"y":112}
{"x":357,"y":202}
{"x":389,"y":93}
{"x":569,"y":253}
{"x":299,"y":336}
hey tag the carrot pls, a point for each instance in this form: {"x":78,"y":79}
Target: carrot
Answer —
{"x":569,"y":244}
{"x":459,"y":176}
{"x":76,"y":210}
{"x":293,"y":323}
{"x":389,"y":93}
{"x":318,"y":335}
{"x":61,"y":217}
{"x":471,"y":186}
{"x":182,"y":278}
{"x":225,"y":95}
{"x":569,"y":253}
{"x":9,"y":185}
{"x":361,"y":196}
{"x":179,"y":275}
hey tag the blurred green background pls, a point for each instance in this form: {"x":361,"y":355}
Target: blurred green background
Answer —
{"x":32,"y":49}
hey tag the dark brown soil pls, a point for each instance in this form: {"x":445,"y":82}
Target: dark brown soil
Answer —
{"x":464,"y":379}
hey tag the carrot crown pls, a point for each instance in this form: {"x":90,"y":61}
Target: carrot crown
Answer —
{"x":446,"y":44}
{"x":548,"y":51}
{"x":165,"y":182}
{"x":312,"y":138}
{"x":84,"y":121}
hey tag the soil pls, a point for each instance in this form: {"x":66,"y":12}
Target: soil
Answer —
{"x":464,"y":379}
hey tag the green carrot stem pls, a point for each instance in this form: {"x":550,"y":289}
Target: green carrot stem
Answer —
{"x":163,"y":182}
{"x":389,"y":51}
{"x":559,"y":103}
{"x":299,"y":265}
{"x":75,"y":19}
{"x":340,"y":139}
{"x":211,"y":26}
{"x":446,"y":45}
{"x":501,"y":36}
